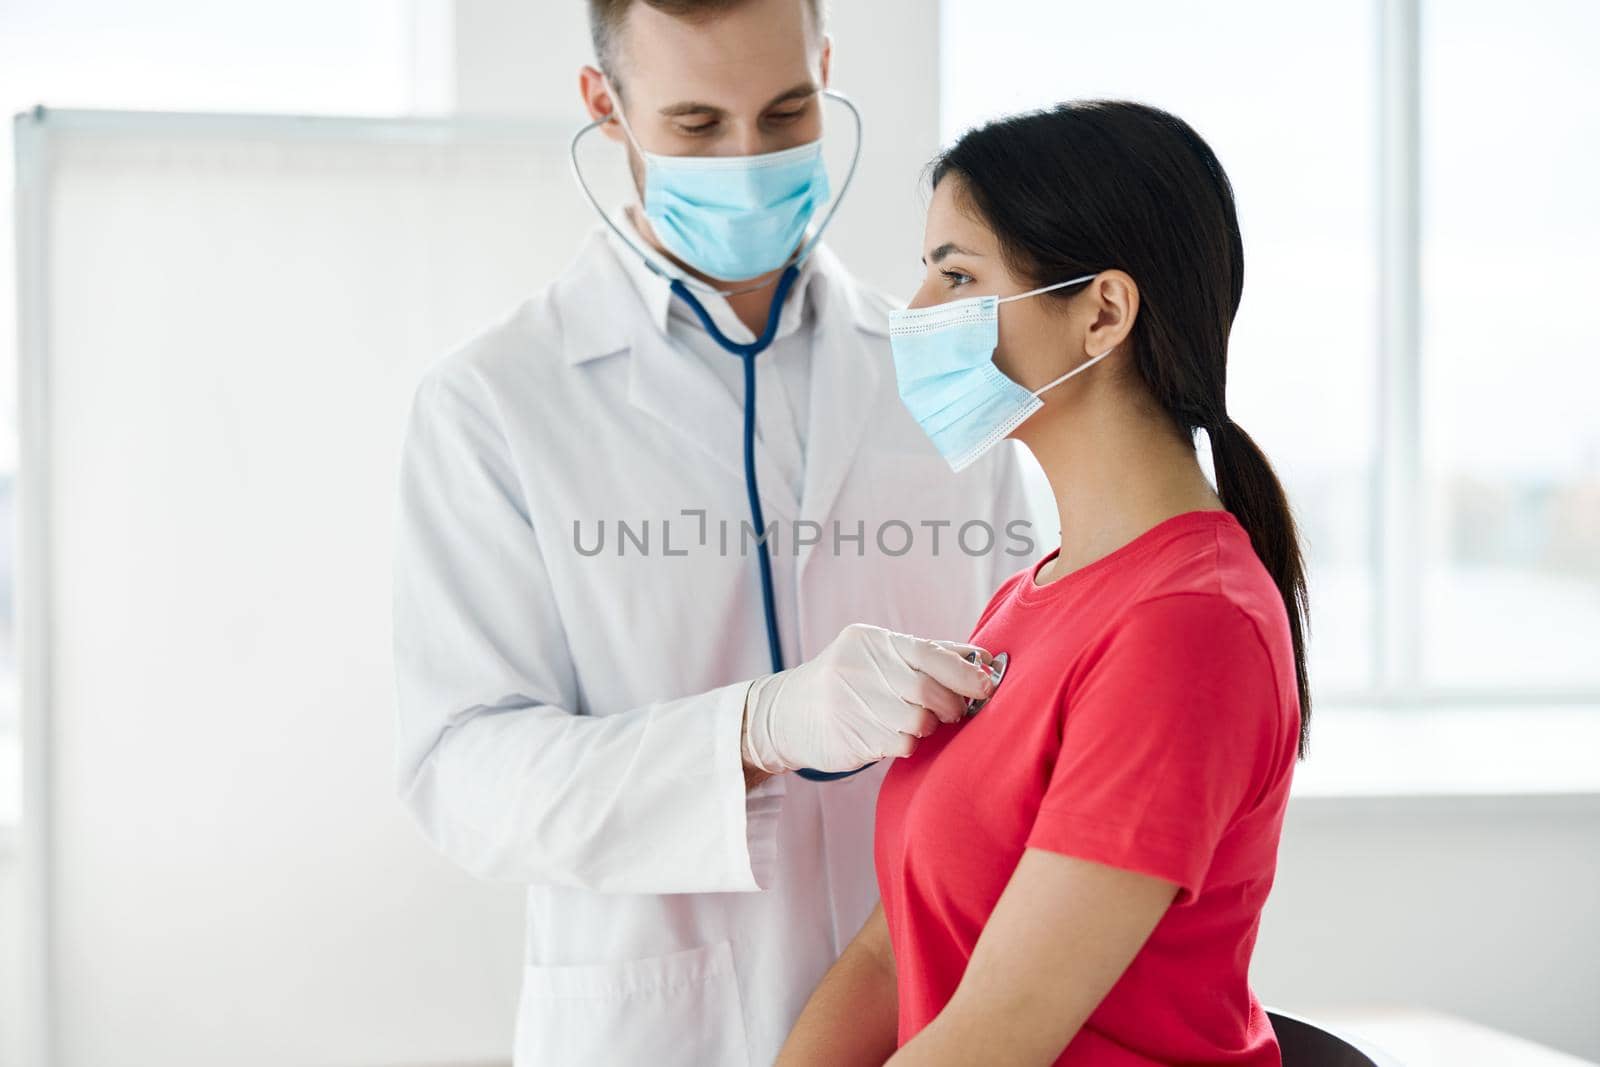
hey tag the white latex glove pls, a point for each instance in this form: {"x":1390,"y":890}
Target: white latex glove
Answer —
{"x":870,"y":694}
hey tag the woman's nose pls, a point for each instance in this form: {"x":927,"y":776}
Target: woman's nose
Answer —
{"x":923,"y":297}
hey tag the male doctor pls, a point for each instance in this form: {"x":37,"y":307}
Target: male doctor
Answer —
{"x":587,"y":701}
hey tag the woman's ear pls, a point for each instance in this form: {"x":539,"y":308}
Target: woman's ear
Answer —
{"x":1113,"y":305}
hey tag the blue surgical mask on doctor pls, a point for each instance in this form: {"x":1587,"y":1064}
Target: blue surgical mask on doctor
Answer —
{"x":944,"y":364}
{"x":733,"y":217}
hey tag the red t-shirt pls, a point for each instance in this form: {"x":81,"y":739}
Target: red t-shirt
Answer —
{"x":1148,"y":720}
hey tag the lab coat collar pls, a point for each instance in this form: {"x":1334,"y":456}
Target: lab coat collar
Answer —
{"x":847,"y":358}
{"x":605,"y":270}
{"x":603,"y":313}
{"x":661,"y":304}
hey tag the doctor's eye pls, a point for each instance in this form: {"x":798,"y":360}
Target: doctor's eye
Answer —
{"x":787,"y":116}
{"x":693,"y":129}
{"x":955,"y":278}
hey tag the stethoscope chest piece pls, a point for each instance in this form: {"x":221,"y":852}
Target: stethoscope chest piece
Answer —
{"x":997,"y":671}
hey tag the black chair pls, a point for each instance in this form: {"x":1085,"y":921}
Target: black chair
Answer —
{"x":1305,"y":1044}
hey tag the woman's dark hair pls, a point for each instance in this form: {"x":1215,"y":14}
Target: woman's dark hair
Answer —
{"x":1096,"y":185}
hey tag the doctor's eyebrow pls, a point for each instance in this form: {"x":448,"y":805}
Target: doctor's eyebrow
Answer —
{"x":949,"y":248}
{"x":798,"y":92}
{"x":695,"y":107}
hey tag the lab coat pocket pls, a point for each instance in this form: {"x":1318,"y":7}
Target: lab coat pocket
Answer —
{"x":664,"y":1011}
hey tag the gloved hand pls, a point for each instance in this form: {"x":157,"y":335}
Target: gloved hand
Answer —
{"x":871,"y":693}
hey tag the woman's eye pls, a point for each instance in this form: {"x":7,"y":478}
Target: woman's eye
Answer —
{"x":955,"y":278}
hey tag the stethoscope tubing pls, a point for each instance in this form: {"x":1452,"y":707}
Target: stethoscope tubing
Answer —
{"x":748,"y":353}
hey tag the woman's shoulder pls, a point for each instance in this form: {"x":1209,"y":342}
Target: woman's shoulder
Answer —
{"x":1210,"y":571}
{"x":1210,"y":594}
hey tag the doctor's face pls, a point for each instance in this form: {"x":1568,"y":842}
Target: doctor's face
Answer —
{"x":741,"y":81}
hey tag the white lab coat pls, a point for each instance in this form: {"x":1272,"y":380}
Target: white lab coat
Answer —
{"x":571,"y":721}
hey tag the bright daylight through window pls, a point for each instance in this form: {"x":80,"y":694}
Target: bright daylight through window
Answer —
{"x":1498,"y":584}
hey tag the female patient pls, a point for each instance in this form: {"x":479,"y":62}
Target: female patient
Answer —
{"x":1074,"y":874}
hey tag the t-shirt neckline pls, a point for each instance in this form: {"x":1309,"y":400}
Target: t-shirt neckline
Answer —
{"x":1151,"y":538}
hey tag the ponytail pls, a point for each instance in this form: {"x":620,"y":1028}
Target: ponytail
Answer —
{"x":1252,"y":493}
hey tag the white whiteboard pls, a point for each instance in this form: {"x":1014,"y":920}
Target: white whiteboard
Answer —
{"x":222,"y":318}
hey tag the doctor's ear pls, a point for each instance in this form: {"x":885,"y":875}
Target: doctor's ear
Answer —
{"x":1112,"y":304}
{"x":827,"y":58}
{"x":598,"y":100}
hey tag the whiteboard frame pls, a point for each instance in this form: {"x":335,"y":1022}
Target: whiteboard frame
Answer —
{"x":32,"y":582}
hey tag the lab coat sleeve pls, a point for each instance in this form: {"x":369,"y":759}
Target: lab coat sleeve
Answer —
{"x":503,"y":776}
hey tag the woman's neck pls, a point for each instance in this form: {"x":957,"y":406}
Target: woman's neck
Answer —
{"x":1117,"y":466}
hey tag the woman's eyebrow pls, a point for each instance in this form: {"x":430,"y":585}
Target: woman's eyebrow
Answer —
{"x":950,"y":248}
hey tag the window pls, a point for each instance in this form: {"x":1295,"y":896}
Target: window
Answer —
{"x":1415,"y":191}
{"x":1510,"y":371}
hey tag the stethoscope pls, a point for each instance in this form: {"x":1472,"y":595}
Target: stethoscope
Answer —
{"x":681,"y":287}
{"x":997,"y":670}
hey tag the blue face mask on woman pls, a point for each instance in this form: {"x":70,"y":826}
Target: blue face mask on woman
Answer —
{"x":733,"y":217}
{"x":944,"y":364}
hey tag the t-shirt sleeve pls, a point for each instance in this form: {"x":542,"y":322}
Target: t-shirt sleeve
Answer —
{"x":1166,"y":734}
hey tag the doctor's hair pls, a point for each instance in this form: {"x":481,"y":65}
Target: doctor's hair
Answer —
{"x":607,"y":16}
{"x":1095,"y":185}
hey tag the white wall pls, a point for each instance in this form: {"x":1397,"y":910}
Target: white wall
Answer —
{"x":1483,"y":907}
{"x":11,"y":999}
